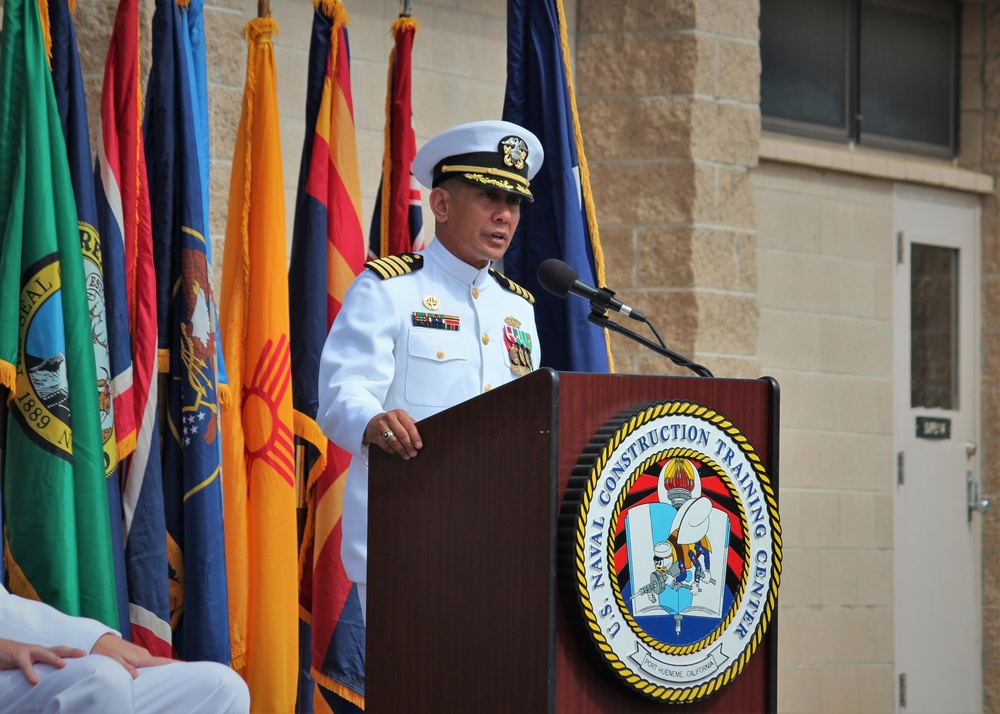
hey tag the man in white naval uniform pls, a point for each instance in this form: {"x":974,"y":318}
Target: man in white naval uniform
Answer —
{"x":53,"y":662}
{"x":421,"y":332}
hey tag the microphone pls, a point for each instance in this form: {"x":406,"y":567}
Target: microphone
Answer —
{"x":559,"y":279}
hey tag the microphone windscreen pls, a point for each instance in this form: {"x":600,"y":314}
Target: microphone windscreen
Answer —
{"x":556,"y":276}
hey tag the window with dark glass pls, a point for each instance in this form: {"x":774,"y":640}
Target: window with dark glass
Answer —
{"x":877,"y":72}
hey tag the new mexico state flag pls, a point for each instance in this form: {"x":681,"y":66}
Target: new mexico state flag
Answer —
{"x":258,"y":446}
{"x":58,"y":539}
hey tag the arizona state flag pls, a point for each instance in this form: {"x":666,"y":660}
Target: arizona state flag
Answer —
{"x":57,"y":530}
{"x":398,"y":221}
{"x":258,"y":444}
{"x":192,"y":482}
{"x":561,"y":223}
{"x":328,"y":251}
{"x":130,"y":291}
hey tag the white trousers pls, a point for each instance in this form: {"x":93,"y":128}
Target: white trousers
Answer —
{"x":99,"y":685}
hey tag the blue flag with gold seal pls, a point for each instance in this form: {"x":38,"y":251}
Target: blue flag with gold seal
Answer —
{"x":186,"y":311}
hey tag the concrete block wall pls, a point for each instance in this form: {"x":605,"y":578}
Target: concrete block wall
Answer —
{"x":824,"y":285}
{"x":980,"y":127}
{"x":668,"y":95}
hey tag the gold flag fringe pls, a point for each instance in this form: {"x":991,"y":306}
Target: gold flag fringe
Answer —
{"x":127,"y":445}
{"x":163,"y":360}
{"x":8,"y":376}
{"x":225,"y":396}
{"x":16,"y":579}
{"x":588,"y":195}
{"x":43,"y":16}
{"x":332,"y":685}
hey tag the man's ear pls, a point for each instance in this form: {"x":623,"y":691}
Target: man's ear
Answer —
{"x":439,"y":201}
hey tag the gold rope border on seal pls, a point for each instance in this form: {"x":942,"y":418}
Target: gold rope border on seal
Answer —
{"x":656,"y":691}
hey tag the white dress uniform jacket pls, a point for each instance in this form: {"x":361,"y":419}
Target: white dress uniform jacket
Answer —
{"x":383,"y":353}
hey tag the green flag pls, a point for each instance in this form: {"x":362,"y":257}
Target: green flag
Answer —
{"x":56,"y":520}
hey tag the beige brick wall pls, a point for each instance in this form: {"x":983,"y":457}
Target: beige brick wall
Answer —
{"x":824,"y":285}
{"x":668,"y":97}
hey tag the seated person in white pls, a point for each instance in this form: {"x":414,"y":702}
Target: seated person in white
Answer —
{"x":52,"y":662}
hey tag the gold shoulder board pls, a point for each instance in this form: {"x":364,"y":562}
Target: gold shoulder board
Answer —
{"x":509,"y":284}
{"x":395,"y":265}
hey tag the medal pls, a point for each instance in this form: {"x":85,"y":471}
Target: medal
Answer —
{"x":518,"y":343}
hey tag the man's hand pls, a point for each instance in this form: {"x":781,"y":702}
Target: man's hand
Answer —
{"x":395,"y":432}
{"x":22,"y":656}
{"x":128,"y":655}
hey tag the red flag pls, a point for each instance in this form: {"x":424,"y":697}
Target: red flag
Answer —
{"x":130,"y":290}
{"x":397,"y":222}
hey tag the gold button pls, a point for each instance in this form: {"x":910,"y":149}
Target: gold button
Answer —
{"x":486,"y":339}
{"x":475,"y":294}
{"x":488,"y":388}
{"x":440,"y":355}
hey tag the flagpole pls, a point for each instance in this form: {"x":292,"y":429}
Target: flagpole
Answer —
{"x":404,"y":8}
{"x":263,"y":8}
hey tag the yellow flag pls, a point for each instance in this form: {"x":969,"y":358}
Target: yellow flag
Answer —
{"x":258,"y":445}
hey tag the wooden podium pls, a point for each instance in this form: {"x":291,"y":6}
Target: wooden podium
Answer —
{"x":465,"y":611}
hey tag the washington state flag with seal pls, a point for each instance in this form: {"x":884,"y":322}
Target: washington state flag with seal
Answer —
{"x":57,"y":546}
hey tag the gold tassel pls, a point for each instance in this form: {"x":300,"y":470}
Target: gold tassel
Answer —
{"x":333,"y":9}
{"x":225,"y":396}
{"x":163,"y":359}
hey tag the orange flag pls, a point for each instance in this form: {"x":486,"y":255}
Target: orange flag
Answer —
{"x":258,"y":445}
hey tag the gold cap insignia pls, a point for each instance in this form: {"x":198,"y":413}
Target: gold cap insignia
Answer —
{"x":515,"y":151}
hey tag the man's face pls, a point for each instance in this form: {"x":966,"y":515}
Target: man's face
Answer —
{"x":475,"y":223}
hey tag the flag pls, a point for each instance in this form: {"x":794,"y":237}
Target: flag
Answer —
{"x":58,"y":546}
{"x":258,"y":441}
{"x":397,"y":221}
{"x":561,"y":223}
{"x":192,"y":480}
{"x":130,"y":293}
{"x":328,"y":251}
{"x":67,"y":81}
{"x":193,"y":39}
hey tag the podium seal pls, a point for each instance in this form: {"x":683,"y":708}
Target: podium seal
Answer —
{"x":670,"y":549}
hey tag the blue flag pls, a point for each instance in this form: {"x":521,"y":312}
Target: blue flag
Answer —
{"x":556,"y":225}
{"x":68,"y":84}
{"x":186,"y":313}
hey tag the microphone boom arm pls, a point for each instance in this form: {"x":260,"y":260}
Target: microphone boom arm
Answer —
{"x":601,"y":320}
